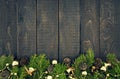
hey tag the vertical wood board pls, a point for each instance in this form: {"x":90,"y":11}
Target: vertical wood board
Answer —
{"x":108,"y":29}
{"x":69,"y":28}
{"x":8,"y":26}
{"x":26,"y":29}
{"x":47,"y":28}
{"x":90,"y":25}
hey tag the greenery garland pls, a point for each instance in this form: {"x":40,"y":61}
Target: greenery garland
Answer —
{"x":85,"y":66}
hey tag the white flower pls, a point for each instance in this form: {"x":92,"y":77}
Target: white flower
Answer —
{"x":7,"y":64}
{"x":70,"y":70}
{"x":54,"y":62}
{"x":46,"y":72}
{"x":15,"y":73}
{"x":107,"y":75}
{"x":84,"y":73}
{"x":49,"y":77}
{"x":15,"y":63}
{"x":103,"y":68}
{"x":70,"y":77}
{"x":57,"y":75}
{"x":31,"y":69}
{"x":107,"y":64}
{"x":11,"y":73}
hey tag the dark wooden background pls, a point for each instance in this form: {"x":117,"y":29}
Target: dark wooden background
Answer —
{"x":59,"y":28}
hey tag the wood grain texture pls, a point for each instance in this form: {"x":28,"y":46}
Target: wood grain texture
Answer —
{"x":47,"y":28}
{"x":90,"y":25}
{"x":26,"y":29}
{"x":117,"y":25}
{"x":107,"y":27}
{"x":69,"y":28}
{"x":1,"y":25}
{"x":8,"y":26}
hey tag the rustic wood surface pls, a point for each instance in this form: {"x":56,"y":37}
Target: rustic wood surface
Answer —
{"x":117,"y":25}
{"x":26,"y":29}
{"x":107,"y":28}
{"x":1,"y":24}
{"x":69,"y":28}
{"x":47,"y":28}
{"x":90,"y":25}
{"x":59,"y":28}
{"x":8,"y":26}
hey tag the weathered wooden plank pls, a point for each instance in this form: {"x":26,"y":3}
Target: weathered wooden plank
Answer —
{"x":1,"y":14}
{"x":8,"y":26}
{"x":47,"y":28}
{"x":26,"y":29}
{"x":69,"y":28}
{"x":107,"y":27}
{"x":117,"y":27}
{"x":90,"y":25}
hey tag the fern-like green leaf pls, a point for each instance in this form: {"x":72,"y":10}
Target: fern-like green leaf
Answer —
{"x":90,"y":57}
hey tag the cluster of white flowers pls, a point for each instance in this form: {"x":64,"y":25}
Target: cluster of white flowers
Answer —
{"x":104,"y":68}
{"x":14,"y":74}
{"x":70,"y":71}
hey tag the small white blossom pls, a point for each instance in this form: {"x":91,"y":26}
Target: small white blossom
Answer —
{"x":54,"y":62}
{"x":31,"y":69}
{"x":15,"y":63}
{"x":11,"y":73}
{"x":115,"y":75}
{"x":70,"y":77}
{"x":57,"y":75}
{"x":46,"y":72}
{"x":84,"y":73}
{"x":15,"y":73}
{"x":49,"y":77}
{"x":70,"y":70}
{"x":107,"y":75}
{"x":107,"y":64}
{"x":7,"y":64}
{"x":103,"y":68}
